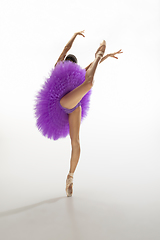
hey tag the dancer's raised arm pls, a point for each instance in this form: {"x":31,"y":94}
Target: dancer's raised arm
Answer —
{"x":105,"y":57}
{"x":111,"y":55}
{"x":68,"y":46}
{"x":88,"y":66}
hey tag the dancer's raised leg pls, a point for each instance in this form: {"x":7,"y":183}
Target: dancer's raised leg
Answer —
{"x":71,"y":99}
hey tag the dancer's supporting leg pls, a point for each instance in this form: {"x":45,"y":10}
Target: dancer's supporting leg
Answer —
{"x":71,"y":99}
{"x":74,"y":124}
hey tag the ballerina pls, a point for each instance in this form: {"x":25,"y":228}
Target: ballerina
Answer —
{"x":73,"y":102}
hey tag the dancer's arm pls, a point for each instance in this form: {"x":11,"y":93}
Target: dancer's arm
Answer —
{"x":105,"y":57}
{"x":88,"y":66}
{"x":68,"y":46}
{"x":111,"y":55}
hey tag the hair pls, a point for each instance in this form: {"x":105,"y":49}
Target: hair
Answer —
{"x":71,"y":58}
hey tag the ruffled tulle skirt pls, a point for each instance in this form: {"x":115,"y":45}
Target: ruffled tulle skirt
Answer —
{"x":51,"y":119}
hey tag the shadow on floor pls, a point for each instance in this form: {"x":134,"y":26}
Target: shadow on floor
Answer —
{"x":22,"y":209}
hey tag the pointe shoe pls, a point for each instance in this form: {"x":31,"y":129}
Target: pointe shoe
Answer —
{"x":101,"y":50}
{"x":69,"y":185}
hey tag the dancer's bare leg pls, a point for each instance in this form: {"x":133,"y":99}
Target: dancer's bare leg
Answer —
{"x":71,"y":99}
{"x":74,"y":125}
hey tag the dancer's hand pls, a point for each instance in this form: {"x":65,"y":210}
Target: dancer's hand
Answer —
{"x":111,"y":55}
{"x":80,"y":33}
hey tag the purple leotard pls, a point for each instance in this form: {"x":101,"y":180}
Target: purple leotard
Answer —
{"x":68,"y":111}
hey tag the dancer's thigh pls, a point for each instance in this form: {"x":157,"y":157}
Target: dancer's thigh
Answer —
{"x":71,"y":99}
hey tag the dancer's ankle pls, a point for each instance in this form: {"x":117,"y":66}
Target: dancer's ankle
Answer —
{"x":98,"y":57}
{"x":70,"y":175}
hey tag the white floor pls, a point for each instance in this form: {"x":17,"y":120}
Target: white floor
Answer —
{"x":101,"y":208}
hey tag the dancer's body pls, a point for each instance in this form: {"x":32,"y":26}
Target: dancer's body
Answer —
{"x":70,"y":100}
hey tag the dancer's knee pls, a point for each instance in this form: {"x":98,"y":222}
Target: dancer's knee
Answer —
{"x":62,"y":102}
{"x":89,"y":81}
{"x":75,"y":143}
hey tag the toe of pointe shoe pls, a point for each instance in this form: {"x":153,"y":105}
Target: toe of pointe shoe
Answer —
{"x":69,"y":191}
{"x":101,"y":49}
{"x":69,"y":186}
{"x":103,"y":42}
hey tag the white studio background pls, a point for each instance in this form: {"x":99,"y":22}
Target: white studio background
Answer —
{"x":120,"y":138}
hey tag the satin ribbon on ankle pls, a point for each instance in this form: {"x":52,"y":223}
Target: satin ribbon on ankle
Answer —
{"x":71,"y":174}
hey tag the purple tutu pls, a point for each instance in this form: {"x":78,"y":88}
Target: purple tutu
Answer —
{"x":52,"y":120}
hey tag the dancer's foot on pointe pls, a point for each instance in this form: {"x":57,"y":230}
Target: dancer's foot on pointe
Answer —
{"x":101,"y":50}
{"x":69,"y":185}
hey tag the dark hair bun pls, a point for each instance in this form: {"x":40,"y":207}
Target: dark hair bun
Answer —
{"x":71,"y":58}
